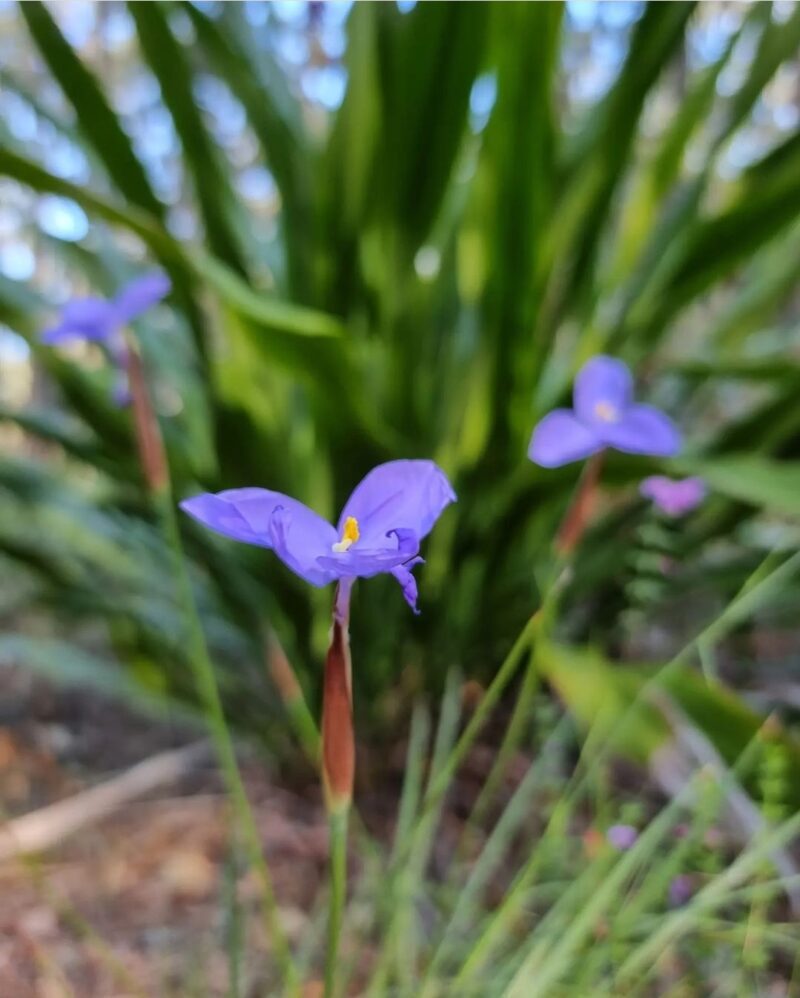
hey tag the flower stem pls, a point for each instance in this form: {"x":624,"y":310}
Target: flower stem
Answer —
{"x":337,"y":824}
{"x":291,"y":693}
{"x":580,"y":510}
{"x":493,"y":692}
{"x":338,"y":768}
{"x":572,"y":528}
{"x":155,"y":468}
{"x":223,"y":743}
{"x":511,"y":739}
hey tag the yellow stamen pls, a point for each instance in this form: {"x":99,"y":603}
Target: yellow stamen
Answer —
{"x":606,"y":412}
{"x":350,"y":535}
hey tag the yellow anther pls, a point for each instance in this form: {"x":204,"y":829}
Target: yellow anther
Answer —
{"x":606,"y":412}
{"x":350,"y":535}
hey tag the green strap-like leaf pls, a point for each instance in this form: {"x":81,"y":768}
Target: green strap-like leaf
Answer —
{"x":267,"y":311}
{"x":167,"y":59}
{"x":97,"y":120}
{"x":750,"y":478}
{"x":276,"y":120}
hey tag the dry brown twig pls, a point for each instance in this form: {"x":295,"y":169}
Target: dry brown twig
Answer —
{"x":51,"y":825}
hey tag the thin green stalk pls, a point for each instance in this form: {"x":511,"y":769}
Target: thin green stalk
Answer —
{"x":499,"y":924}
{"x":337,"y":824}
{"x":294,"y":701}
{"x":553,"y":588}
{"x":71,"y":917}
{"x":442,"y":776}
{"x":505,"y":673}
{"x":467,"y":903}
{"x":223,"y":743}
{"x":714,"y":894}
{"x":409,"y":858}
{"x":544,"y":965}
{"x":512,"y":737}
{"x":595,"y":751}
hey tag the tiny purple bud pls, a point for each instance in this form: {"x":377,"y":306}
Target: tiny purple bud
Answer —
{"x":680,"y":890}
{"x":622,"y":837}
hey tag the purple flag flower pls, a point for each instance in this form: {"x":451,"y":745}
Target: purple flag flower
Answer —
{"x":622,"y":837}
{"x":380,"y":528}
{"x":97,"y":318}
{"x":101,"y":321}
{"x":604,"y":415}
{"x":675,"y":498}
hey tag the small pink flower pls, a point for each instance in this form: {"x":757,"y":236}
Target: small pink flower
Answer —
{"x":675,"y":498}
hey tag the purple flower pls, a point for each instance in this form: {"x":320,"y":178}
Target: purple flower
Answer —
{"x":622,"y":837}
{"x":97,"y":319}
{"x":675,"y":498}
{"x":380,"y":528}
{"x":604,"y":415}
{"x":101,"y":321}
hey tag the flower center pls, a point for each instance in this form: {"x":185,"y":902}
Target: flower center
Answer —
{"x":350,"y":535}
{"x":606,"y":412}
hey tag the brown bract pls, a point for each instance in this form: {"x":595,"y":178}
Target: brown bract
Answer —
{"x":338,"y":743}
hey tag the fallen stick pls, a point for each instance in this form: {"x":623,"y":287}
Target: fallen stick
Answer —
{"x":50,"y":825}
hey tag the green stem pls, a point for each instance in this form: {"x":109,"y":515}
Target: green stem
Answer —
{"x":493,"y":692}
{"x":573,"y":525}
{"x":337,"y":824}
{"x":513,"y":734}
{"x":511,"y":740}
{"x":209,"y":692}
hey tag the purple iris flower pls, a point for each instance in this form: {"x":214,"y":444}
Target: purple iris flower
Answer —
{"x":675,"y":498}
{"x":604,"y":415}
{"x":622,"y":837}
{"x":380,"y":528}
{"x":102,"y":321}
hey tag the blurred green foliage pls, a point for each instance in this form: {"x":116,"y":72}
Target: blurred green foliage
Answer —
{"x":437,"y":275}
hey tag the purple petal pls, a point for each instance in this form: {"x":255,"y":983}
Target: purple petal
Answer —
{"x":643,"y":429}
{"x":140,"y":294}
{"x":397,"y":547}
{"x":83,"y":318}
{"x":603,"y":382}
{"x":560,"y":438}
{"x":271,"y":520}
{"x":398,"y":494}
{"x":409,"y":584}
{"x":675,"y":498}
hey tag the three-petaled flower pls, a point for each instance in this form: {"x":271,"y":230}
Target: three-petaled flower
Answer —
{"x":380,"y":528}
{"x":674,"y":497}
{"x":604,"y":415}
{"x":102,"y":321}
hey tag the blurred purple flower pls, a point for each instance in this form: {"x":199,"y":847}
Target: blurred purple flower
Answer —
{"x":680,"y":889}
{"x":380,"y":528}
{"x":622,"y":837}
{"x":101,"y":321}
{"x":97,"y":319}
{"x":675,"y":498}
{"x":604,"y":415}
